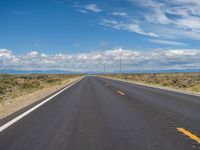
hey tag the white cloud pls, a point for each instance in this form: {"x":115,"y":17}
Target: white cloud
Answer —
{"x":136,"y":28}
{"x":168,"y":42}
{"x":182,"y":16}
{"x":158,"y":17}
{"x":32,"y":54}
{"x":179,"y":15}
{"x":92,"y":7}
{"x":172,"y":53}
{"x":5,"y":53}
{"x":189,"y":23}
{"x":93,"y":61}
{"x":82,"y":11}
{"x":176,"y":33}
{"x":132,"y":27}
{"x":122,"y":14}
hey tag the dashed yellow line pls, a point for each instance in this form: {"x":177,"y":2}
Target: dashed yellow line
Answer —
{"x":121,"y":93}
{"x":189,"y":134}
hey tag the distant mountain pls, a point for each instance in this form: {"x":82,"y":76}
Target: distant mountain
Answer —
{"x":161,"y":71}
{"x":10,"y":71}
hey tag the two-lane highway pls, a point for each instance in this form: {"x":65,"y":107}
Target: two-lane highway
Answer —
{"x":104,"y":114}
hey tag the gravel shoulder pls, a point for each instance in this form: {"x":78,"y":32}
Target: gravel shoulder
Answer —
{"x":13,"y":105}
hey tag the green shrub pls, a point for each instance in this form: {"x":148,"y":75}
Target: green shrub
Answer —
{"x":189,"y":81}
{"x":53,"y":80}
{"x":1,"y":99}
{"x":1,"y":89}
{"x":17,"y":85}
{"x":31,"y":84}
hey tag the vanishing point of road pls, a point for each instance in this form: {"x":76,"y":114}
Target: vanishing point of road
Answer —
{"x":104,"y":114}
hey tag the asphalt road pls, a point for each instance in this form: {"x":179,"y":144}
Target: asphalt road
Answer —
{"x":105,"y":114}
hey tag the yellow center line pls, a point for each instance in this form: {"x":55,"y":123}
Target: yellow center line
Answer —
{"x":189,"y":134}
{"x":121,"y":93}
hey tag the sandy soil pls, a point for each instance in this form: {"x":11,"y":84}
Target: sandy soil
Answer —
{"x":12,"y":105}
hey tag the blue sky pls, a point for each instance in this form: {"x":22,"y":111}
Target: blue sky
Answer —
{"x":81,"y":35}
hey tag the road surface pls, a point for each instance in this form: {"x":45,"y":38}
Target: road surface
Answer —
{"x":104,"y":114}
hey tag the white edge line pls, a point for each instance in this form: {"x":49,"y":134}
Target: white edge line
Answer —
{"x":11,"y":122}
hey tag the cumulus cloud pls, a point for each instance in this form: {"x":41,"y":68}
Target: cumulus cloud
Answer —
{"x":93,"y":61}
{"x":5,"y":53}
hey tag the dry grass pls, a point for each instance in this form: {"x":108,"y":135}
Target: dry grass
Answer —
{"x":12,"y":86}
{"x":183,"y":81}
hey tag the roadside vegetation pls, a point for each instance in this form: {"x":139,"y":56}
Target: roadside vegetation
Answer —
{"x":12,"y":86}
{"x":183,"y":81}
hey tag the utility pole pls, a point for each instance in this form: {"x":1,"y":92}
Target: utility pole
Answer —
{"x":120,"y":65}
{"x":104,"y":68}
